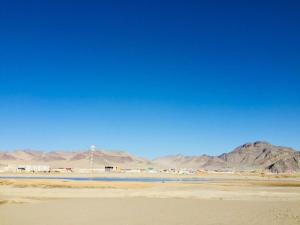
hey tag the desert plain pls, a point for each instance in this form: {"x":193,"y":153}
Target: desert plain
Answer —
{"x":221,"y":199}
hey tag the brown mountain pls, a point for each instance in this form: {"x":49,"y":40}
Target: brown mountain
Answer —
{"x":263,"y":156}
{"x":72,"y":159}
{"x":181,"y":161}
{"x":258,"y":156}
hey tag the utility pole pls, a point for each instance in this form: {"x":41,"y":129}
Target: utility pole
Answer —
{"x":92,"y":150}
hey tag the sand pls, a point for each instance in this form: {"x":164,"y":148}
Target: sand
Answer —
{"x":230,"y":201}
{"x":137,"y":211}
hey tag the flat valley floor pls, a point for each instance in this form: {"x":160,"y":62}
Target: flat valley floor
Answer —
{"x":230,"y":201}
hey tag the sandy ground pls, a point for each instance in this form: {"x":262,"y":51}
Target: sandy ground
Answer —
{"x":137,"y":211}
{"x":232,"y":200}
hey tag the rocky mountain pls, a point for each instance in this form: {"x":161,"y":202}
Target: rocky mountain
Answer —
{"x":195,"y":162}
{"x":79,"y":159}
{"x":263,"y":156}
{"x":257,"y":156}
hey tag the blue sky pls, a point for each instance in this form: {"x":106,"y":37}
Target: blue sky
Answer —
{"x":149,"y":77}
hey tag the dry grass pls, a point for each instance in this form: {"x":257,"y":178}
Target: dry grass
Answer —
{"x":73,"y":184}
{"x":276,"y":183}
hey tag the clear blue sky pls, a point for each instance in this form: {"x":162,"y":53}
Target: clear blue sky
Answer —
{"x":149,"y":77}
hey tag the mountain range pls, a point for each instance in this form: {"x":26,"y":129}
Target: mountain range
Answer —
{"x":78,"y":159}
{"x":257,"y":156}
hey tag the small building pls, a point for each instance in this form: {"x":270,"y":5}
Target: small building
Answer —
{"x":62,"y":170}
{"x":133,"y":171}
{"x":108,"y":168}
{"x":33,"y":168}
{"x":21,"y":169}
{"x":152,"y":170}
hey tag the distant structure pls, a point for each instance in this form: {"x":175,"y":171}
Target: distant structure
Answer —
{"x":33,"y":168}
{"x":92,"y":150}
{"x":108,"y":168}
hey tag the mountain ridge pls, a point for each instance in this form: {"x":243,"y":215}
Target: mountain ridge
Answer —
{"x":256,"y":156}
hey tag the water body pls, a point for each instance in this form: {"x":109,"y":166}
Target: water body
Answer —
{"x":114,"y":179}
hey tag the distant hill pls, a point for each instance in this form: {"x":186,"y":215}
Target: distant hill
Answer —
{"x":79,"y":159}
{"x":257,"y":156}
{"x":262,"y":155}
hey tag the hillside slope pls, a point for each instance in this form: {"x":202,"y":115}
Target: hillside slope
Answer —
{"x":79,"y":159}
{"x":257,"y":156}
